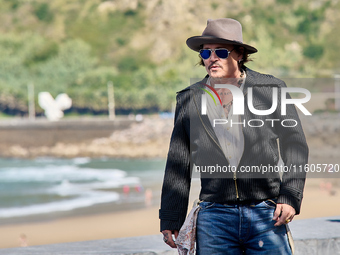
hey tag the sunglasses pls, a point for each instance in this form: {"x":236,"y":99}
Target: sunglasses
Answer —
{"x":220,"y":53}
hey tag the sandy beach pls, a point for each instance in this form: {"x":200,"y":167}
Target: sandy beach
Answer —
{"x":320,"y":200}
{"x":103,"y":226}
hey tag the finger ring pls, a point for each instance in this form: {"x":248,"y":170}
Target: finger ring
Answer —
{"x":287,"y":221}
{"x":165,"y":239}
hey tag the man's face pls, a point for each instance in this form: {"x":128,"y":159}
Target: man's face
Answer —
{"x":222,"y":68}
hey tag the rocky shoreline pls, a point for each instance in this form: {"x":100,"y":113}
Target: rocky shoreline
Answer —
{"x":145,"y":139}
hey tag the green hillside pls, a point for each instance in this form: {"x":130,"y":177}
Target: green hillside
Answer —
{"x":78,"y":46}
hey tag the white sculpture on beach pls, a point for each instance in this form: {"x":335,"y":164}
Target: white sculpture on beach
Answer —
{"x":54,"y":107}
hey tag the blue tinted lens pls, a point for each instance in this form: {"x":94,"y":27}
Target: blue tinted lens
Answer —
{"x":222,"y":53}
{"x":205,"y":54}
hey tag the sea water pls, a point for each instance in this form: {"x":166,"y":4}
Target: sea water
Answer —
{"x":48,"y":185}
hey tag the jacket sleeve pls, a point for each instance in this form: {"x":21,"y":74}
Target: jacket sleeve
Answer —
{"x":177,"y":176}
{"x":294,"y":153}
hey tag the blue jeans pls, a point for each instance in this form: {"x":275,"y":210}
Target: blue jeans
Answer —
{"x":239,"y":229}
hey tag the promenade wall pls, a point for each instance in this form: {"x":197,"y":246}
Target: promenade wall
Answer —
{"x":318,"y":236}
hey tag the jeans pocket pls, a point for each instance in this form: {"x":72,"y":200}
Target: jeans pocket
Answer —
{"x":269,"y":203}
{"x":206,"y":205}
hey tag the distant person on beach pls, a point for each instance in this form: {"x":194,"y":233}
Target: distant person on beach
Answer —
{"x":148,"y":197}
{"x":23,"y":240}
{"x":244,"y":203}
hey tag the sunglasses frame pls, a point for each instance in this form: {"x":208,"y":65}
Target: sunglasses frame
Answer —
{"x":214,"y":50}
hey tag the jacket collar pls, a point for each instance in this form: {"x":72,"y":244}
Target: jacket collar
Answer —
{"x":250,"y":80}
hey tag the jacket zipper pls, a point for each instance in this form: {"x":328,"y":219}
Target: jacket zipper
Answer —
{"x":235,"y":177}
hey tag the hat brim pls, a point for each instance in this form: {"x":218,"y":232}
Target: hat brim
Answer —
{"x":195,"y":43}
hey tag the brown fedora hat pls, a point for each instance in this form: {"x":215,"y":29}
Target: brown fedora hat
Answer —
{"x":225,"y":31}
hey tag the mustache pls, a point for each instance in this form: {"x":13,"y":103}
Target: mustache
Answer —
{"x":214,"y":64}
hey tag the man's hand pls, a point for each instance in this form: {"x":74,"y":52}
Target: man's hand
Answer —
{"x":283,"y":214}
{"x":167,"y":237}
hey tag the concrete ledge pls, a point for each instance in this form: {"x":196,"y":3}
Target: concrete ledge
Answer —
{"x":319,"y":236}
{"x":141,"y":245}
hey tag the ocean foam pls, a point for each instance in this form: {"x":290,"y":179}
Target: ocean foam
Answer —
{"x":74,"y":186}
{"x":91,"y":198}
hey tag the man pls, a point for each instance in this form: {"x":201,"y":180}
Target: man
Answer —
{"x":241,"y":212}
